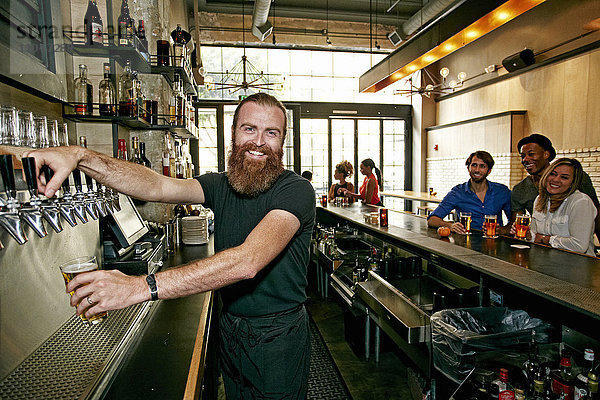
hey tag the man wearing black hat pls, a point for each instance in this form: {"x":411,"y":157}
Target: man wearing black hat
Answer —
{"x":536,"y":154}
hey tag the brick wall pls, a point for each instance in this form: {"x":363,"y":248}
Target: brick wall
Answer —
{"x":590,"y":161}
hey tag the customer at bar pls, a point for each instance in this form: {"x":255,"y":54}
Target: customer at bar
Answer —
{"x":563,"y":217}
{"x":536,"y":154}
{"x":369,"y":190}
{"x":264,"y":217}
{"x":342,"y":172}
{"x":478,"y":195}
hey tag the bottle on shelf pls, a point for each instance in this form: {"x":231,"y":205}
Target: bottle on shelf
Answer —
{"x":581,"y":381}
{"x":122,"y":154}
{"x":176,"y":103}
{"x":92,"y":23}
{"x":141,"y":34}
{"x":83,"y":93}
{"x":143,"y":155}
{"x":563,"y":380}
{"x":138,"y":97}
{"x":179,"y":49}
{"x":179,"y":163}
{"x":126,"y":99}
{"x":531,"y":365}
{"x":173,"y":158}
{"x":166,"y":156}
{"x":181,"y":106}
{"x":135,"y":151}
{"x":592,"y":381}
{"x":125,"y":26}
{"x":106,"y":93}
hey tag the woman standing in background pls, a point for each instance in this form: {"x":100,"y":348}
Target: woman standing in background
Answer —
{"x":369,"y":190}
{"x":342,"y":172}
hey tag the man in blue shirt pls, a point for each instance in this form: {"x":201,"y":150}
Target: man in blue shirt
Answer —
{"x":478,"y":196}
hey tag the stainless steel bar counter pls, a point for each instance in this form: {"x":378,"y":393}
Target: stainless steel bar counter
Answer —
{"x":558,"y":284}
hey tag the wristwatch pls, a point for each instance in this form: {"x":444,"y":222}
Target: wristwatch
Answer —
{"x":151,"y":280}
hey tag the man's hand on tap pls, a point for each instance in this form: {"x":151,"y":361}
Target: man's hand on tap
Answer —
{"x":61,"y":160}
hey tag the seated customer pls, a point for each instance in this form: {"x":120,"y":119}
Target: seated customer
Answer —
{"x":342,"y":171}
{"x":369,"y":190}
{"x":536,"y":154}
{"x":307,"y":175}
{"x":563,"y":217}
{"x":478,"y":196}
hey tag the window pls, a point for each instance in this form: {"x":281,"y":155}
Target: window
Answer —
{"x":207,"y":143}
{"x":313,"y":145}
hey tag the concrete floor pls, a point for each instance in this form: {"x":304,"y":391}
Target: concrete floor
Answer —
{"x":365,"y":379}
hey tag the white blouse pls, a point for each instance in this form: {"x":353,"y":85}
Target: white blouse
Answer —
{"x":571,"y":226}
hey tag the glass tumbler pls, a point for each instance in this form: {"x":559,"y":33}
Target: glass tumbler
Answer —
{"x":53,"y":133}
{"x":41,"y":131}
{"x":9,"y":122}
{"x":26,"y":128}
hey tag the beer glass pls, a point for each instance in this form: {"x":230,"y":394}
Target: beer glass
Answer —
{"x":26,"y":128}
{"x":41,"y":131}
{"x":74,"y":267}
{"x":491,"y":221}
{"x":383,"y":217}
{"x":324,"y":200}
{"x":9,"y":126}
{"x":522,"y":225}
{"x":465,"y":220}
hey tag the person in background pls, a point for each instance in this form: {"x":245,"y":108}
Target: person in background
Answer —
{"x":478,"y":196}
{"x":307,"y":175}
{"x":342,"y":172}
{"x":536,"y":154}
{"x":563,"y":217}
{"x":264,"y":217}
{"x":369,"y":190}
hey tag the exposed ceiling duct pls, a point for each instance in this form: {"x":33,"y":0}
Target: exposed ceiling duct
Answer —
{"x":261,"y":28}
{"x":424,"y":15}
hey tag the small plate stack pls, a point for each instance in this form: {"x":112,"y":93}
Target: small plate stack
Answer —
{"x":194,"y":229}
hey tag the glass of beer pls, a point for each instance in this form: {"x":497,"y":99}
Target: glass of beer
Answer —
{"x":465,"y":220}
{"x":491,"y":221}
{"x":522,"y":225}
{"x":324,"y":200}
{"x":71,"y":269}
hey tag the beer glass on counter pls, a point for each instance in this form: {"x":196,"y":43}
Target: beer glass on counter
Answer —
{"x":324,"y":200}
{"x":491,"y":221}
{"x":71,"y":269}
{"x":522,"y":225}
{"x":465,"y":220}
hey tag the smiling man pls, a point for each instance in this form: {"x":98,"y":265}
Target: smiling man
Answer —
{"x":478,"y":196}
{"x":264,"y":217}
{"x":536,"y":154}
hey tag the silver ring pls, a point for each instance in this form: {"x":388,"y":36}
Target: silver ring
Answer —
{"x":89,"y":300}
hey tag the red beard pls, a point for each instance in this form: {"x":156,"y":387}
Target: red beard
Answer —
{"x":251,"y":177}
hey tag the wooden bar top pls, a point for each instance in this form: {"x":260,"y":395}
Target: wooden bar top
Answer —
{"x":410,"y":195}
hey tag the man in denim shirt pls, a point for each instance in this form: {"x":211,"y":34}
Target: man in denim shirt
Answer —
{"x":478,"y":196}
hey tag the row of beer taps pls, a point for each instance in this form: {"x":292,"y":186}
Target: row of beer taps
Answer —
{"x":70,"y":207}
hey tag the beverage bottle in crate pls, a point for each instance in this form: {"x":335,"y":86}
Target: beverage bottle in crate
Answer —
{"x":505,"y":388}
{"x":531,"y":366}
{"x":581,"y":381}
{"x":592,"y":385}
{"x":563,"y":380}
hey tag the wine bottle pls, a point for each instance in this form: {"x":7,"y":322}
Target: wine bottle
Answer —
{"x":122,"y":155}
{"x":166,"y":157}
{"x":106,"y":93}
{"x":126,"y":99}
{"x":145,"y":160}
{"x":135,"y":151}
{"x":125,"y":26}
{"x":83,"y":93}
{"x":141,"y":34}
{"x":581,"y":381}
{"x":93,"y":26}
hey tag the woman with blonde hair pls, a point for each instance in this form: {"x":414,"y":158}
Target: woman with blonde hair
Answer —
{"x":563,"y":217}
{"x":342,"y":172}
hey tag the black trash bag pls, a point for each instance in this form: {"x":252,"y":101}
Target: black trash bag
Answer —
{"x":458,"y":335}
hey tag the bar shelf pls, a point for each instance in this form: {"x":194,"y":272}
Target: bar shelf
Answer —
{"x":169,"y":71}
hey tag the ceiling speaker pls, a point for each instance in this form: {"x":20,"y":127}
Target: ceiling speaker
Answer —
{"x":394,"y":37}
{"x":519,"y":60}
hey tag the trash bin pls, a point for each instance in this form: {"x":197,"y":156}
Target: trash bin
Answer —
{"x":459,"y":335}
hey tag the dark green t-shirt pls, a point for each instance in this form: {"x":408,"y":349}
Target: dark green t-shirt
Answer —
{"x":525,"y":192}
{"x":281,"y":285}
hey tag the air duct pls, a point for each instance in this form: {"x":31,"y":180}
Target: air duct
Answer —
{"x":261,"y":28}
{"x":424,"y":15}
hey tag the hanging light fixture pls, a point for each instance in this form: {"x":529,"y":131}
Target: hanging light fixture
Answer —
{"x":444,"y":86}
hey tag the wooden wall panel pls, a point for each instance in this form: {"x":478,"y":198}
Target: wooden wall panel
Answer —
{"x":576,"y":103}
{"x":593,"y":111}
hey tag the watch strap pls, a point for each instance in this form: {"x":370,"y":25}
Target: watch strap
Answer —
{"x":151,"y":281}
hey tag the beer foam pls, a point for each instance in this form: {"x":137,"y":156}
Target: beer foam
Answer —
{"x":78,"y":268}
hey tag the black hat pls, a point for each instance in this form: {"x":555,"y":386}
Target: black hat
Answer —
{"x":538,"y":139}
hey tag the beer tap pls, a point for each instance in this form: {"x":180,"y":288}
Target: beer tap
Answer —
{"x":65,"y":204}
{"x":32,"y":211}
{"x":91,"y":203}
{"x":79,"y":198}
{"x":9,"y":214}
{"x":50,"y":208}
{"x":115,"y":200}
{"x":103,"y":203}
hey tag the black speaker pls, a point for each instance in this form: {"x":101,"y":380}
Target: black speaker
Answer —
{"x":519,"y":60}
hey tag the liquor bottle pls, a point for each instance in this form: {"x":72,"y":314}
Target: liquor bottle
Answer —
{"x":180,"y":104}
{"x":93,"y":26}
{"x":563,"y":380}
{"x":106,"y":93}
{"x":135,"y":151}
{"x":122,"y":154}
{"x":178,"y":46}
{"x":143,"y":155}
{"x":179,"y":164}
{"x":141,"y":34}
{"x":83,"y":93}
{"x":165,"y":156}
{"x":593,"y":384}
{"x":172,"y":159}
{"x":581,"y":381}
{"x":532,"y":364}
{"x":138,"y":96}
{"x":126,"y":99}
{"x":125,"y":26}
{"x":505,"y":389}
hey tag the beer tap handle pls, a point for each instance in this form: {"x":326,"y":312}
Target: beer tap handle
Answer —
{"x":89,"y":182}
{"x":48,"y":173}
{"x":98,"y":186}
{"x":8,"y":176}
{"x":66,"y":187}
{"x":30,"y":177}
{"x":77,"y":179}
